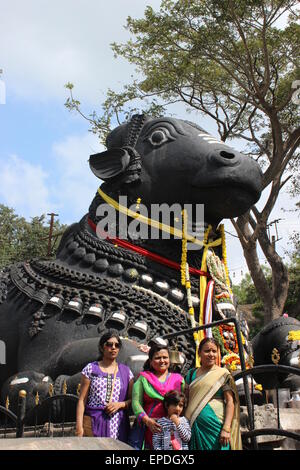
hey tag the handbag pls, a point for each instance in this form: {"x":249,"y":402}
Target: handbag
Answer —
{"x":137,"y":433}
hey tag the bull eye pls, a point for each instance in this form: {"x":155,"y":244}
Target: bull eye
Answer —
{"x":159,"y":136}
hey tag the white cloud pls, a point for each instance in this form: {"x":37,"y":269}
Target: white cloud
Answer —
{"x":23,"y":186}
{"x":75,"y":185}
{"x":67,"y":189}
{"x":50,"y":43}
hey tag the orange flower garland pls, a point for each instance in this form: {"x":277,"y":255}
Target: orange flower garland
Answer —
{"x":229,"y":329}
{"x":231,"y":361}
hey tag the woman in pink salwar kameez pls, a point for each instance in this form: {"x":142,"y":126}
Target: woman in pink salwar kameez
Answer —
{"x":150,"y":388}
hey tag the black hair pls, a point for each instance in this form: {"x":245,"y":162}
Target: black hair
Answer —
{"x":105,"y":337}
{"x":154,"y":349}
{"x":207,"y":340}
{"x":173,"y":397}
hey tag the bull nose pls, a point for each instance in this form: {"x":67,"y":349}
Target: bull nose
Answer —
{"x":225,"y":157}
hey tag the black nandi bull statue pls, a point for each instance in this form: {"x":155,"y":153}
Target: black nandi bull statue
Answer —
{"x":53,"y":312}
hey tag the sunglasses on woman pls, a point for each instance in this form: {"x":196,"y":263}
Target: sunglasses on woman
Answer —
{"x":109,"y":344}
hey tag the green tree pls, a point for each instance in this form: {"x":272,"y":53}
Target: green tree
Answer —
{"x":245,"y":291}
{"x":21,"y":240}
{"x":246,"y":294}
{"x":230,"y":61}
{"x":292,"y":305}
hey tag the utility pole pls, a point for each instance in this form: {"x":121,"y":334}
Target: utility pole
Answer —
{"x":274,"y":239}
{"x":50,"y":232}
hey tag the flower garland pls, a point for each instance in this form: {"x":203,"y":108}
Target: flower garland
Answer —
{"x":231,"y":361}
{"x":184,"y":248}
{"x":224,"y":255}
{"x":221,"y":296}
{"x":217,"y":272}
{"x":294,"y":335}
{"x":228,"y":328}
{"x":185,"y":276}
{"x":218,"y":337}
{"x":258,"y":387}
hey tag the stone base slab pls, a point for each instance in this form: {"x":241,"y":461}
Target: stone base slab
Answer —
{"x":63,"y":443}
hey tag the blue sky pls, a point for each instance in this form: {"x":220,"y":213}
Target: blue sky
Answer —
{"x":43,"y":147}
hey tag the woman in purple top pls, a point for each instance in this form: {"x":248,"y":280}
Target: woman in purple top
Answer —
{"x":105,"y":393}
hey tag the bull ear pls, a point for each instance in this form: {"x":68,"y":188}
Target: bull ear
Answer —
{"x":106,"y":165}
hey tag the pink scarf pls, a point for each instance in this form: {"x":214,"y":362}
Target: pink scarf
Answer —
{"x":173,"y":382}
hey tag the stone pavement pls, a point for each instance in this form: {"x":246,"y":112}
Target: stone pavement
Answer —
{"x":290,"y":421}
{"x":265,"y":416}
{"x":63,"y":443}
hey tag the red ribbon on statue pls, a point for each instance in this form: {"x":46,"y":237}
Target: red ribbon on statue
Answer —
{"x":144,"y":252}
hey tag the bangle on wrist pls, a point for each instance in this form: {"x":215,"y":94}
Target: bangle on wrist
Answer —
{"x":226,"y":429}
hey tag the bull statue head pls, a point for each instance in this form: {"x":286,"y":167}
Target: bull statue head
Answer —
{"x":169,"y":160}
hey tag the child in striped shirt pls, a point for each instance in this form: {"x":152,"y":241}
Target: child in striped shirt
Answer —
{"x":175,"y":430}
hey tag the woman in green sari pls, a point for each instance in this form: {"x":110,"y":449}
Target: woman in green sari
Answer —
{"x":213,"y":403}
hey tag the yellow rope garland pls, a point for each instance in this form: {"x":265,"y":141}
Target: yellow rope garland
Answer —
{"x":153,"y":223}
